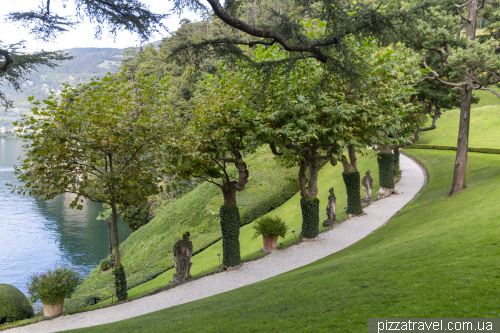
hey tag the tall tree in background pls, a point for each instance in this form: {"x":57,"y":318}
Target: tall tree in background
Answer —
{"x":463,"y":62}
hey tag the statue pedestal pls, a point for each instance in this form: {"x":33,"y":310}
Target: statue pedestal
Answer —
{"x":365,"y":200}
{"x":329,"y":223}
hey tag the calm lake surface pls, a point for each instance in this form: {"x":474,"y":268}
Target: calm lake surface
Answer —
{"x":35,"y":234}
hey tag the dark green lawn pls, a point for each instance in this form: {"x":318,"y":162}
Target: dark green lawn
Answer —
{"x":437,"y":258}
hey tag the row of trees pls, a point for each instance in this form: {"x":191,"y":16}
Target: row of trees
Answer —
{"x":114,"y":140}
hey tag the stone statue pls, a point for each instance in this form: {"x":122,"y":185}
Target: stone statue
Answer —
{"x":367,"y":182}
{"x":183,"y":251}
{"x":331,"y":210}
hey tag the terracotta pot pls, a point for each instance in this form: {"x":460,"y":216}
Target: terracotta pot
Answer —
{"x":270,"y":242}
{"x":53,"y":310}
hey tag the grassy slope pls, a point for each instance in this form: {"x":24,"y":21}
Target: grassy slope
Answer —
{"x":484,"y":129}
{"x":148,"y":251}
{"x":208,"y":261}
{"x":437,"y":258}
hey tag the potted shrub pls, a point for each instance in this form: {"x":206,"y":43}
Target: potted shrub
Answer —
{"x":52,"y":287}
{"x":270,"y":228}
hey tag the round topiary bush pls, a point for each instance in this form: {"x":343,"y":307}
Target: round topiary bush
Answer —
{"x":13,"y":304}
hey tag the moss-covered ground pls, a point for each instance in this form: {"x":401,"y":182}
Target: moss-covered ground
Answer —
{"x":436,"y":258}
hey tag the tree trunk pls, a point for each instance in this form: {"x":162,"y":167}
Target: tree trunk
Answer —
{"x":230,"y":215}
{"x":459,"y":174}
{"x":385,"y":161}
{"x":396,"y":161}
{"x":115,"y":233}
{"x":108,"y":224}
{"x":309,"y":203}
{"x":352,"y":181}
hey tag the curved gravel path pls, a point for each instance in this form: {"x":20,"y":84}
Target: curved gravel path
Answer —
{"x":340,"y":237}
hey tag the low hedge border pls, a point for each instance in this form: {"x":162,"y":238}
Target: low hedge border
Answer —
{"x":471,"y":149}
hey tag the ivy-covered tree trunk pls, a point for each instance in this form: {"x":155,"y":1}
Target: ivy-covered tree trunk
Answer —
{"x":352,"y":181}
{"x":396,"y":160}
{"x":230,"y":215}
{"x":385,"y":161}
{"x":119,"y":270}
{"x":230,"y":227}
{"x":309,"y":204}
{"x":108,"y":224}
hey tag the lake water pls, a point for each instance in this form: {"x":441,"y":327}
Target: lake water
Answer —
{"x":35,"y":234}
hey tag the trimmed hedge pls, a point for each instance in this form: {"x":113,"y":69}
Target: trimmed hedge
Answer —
{"x":230,"y":227}
{"x":13,"y":304}
{"x":385,"y":169}
{"x":471,"y":149}
{"x":120,"y":282}
{"x":310,"y":218}
{"x":352,"y":183}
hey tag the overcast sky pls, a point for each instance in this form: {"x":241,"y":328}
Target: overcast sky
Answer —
{"x":83,"y":34}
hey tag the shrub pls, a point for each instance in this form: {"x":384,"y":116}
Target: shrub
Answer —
{"x":270,"y":226}
{"x":54,"y":285}
{"x":136,"y":216}
{"x":13,"y":304}
{"x":104,"y":264}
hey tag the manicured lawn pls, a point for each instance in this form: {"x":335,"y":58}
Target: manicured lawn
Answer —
{"x":437,"y":258}
{"x":484,"y":128}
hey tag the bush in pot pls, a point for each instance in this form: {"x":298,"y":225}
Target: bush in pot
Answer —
{"x":270,"y":227}
{"x":52,"y":287}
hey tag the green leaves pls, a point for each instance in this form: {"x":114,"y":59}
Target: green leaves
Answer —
{"x":102,"y":142}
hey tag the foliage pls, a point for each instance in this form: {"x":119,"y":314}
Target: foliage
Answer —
{"x":230,"y":227}
{"x":104,"y":264}
{"x":136,"y":216}
{"x":84,"y":63}
{"x":385,"y":169}
{"x":120,"y":282}
{"x":272,"y":226}
{"x":310,"y":217}
{"x":17,"y":65}
{"x":13,"y":304}
{"x":352,"y":184}
{"x":102,"y":142}
{"x":54,"y":285}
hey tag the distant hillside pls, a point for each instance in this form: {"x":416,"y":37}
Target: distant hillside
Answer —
{"x":86,"y":63}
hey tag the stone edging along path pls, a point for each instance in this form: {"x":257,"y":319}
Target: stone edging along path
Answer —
{"x":341,"y":236}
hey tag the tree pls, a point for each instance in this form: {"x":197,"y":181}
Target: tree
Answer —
{"x":207,"y":147}
{"x":463,"y":62}
{"x":102,"y":143}
{"x":17,"y":65}
{"x":380,"y":108}
{"x":303,"y":128}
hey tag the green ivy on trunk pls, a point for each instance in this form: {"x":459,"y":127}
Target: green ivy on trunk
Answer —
{"x":385,"y":169}
{"x":120,"y":282}
{"x":310,"y":218}
{"x":396,"y":161}
{"x":352,"y":183}
{"x":230,"y":226}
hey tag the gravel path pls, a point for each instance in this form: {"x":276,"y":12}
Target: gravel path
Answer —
{"x":340,"y":237}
